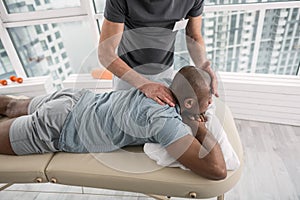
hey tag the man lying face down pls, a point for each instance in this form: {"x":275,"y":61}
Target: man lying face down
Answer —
{"x":80,"y":121}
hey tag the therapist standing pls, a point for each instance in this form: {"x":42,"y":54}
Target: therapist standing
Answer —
{"x":138,"y":39}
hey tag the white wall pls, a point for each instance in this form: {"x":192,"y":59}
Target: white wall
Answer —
{"x":262,"y":97}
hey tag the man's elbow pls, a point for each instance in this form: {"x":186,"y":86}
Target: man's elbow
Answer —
{"x":218,"y":173}
{"x":212,"y":171}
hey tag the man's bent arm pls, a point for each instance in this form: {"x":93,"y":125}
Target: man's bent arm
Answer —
{"x":202,"y":155}
{"x":110,"y":38}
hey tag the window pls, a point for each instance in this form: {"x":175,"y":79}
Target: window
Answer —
{"x":19,"y":6}
{"x":61,"y":45}
{"x":49,"y":60}
{"x":37,"y":2}
{"x":281,"y":71}
{"x":31,"y":8}
{"x":286,"y":47}
{"x":180,"y":44}
{"x":181,"y":60}
{"x":6,"y":69}
{"x":71,"y":47}
{"x":67,"y":65}
{"x":3,"y":54}
{"x":57,"y":35}
{"x":54,"y":75}
{"x":49,"y":38}
{"x":46,"y":28}
{"x":100,"y":5}
{"x":53,"y":50}
{"x":38,"y":29}
{"x":233,"y":35}
{"x":221,"y":2}
{"x":56,"y":60}
{"x":44,"y":45}
{"x":64,"y":55}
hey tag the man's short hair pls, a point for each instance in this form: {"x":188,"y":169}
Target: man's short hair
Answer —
{"x":189,"y":82}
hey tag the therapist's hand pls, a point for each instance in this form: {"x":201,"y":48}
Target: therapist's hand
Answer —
{"x":214,"y":82}
{"x":159,"y":93}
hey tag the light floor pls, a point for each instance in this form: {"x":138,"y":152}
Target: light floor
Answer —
{"x":272,"y":171}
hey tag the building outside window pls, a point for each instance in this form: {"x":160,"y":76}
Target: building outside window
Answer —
{"x":19,"y":6}
{"x":6,"y":69}
{"x":38,"y":45}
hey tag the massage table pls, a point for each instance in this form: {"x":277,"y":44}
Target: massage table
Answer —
{"x":128,"y":169}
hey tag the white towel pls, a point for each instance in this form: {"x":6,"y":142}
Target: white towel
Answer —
{"x":161,"y":156}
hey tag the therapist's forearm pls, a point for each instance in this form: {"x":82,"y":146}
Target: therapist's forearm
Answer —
{"x":112,"y":62}
{"x":119,"y":68}
{"x":197,"y":51}
{"x":110,"y":38}
{"x":196,"y":48}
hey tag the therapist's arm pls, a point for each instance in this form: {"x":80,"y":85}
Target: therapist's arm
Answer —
{"x":196,"y":48}
{"x":110,"y":38}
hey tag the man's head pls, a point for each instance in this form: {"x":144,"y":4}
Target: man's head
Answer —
{"x":191,"y":87}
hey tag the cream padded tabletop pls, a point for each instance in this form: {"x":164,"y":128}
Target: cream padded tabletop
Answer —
{"x":24,"y":169}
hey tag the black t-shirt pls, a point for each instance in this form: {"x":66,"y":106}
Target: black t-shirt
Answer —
{"x":147,"y":44}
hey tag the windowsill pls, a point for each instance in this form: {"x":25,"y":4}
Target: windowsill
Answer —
{"x":30,"y":87}
{"x":86,"y":81}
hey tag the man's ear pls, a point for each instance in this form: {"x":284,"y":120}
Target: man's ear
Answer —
{"x":189,"y":103}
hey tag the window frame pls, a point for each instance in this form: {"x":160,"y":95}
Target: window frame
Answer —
{"x":83,"y":13}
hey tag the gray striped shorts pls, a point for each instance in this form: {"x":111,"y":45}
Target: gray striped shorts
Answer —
{"x":39,"y":131}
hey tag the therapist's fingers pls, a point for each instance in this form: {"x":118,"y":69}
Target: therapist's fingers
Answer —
{"x":214,"y":82}
{"x":199,"y":117}
{"x":167,"y":98}
{"x":159,"y":101}
{"x":159,"y":93}
{"x":204,"y":118}
{"x":214,"y":86}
